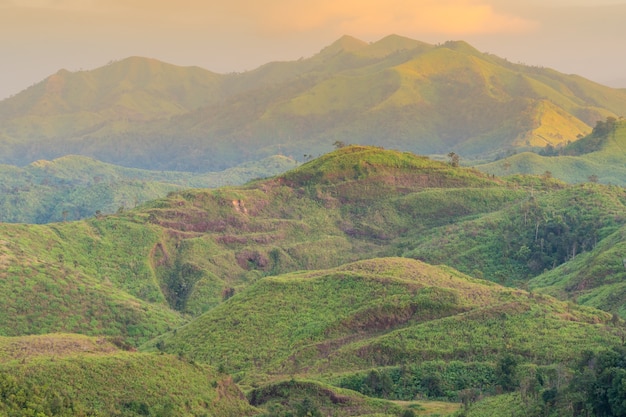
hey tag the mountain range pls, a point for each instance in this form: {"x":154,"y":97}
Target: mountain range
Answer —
{"x":397,"y":93}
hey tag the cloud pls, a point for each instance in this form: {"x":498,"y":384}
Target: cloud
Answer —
{"x":379,"y":17}
{"x":281,"y":17}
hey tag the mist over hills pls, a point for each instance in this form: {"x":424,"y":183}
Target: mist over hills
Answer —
{"x":397,"y":93}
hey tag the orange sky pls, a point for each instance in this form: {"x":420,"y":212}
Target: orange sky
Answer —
{"x":38,"y":37}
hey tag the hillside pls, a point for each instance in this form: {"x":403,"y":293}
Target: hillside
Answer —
{"x":338,"y":324}
{"x":597,"y":157}
{"x":69,"y":375}
{"x":396,"y":92}
{"x":75,"y":187}
{"x":358,"y":270}
{"x":193,"y":250}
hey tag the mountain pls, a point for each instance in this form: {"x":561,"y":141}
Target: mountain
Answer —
{"x":396,"y":92}
{"x":600,"y":156}
{"x":74,"y":187}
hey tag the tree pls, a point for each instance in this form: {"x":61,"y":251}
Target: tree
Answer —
{"x":506,"y":372}
{"x":454,"y":159}
{"x":339,"y":144}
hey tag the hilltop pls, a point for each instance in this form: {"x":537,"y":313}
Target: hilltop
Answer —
{"x":396,"y":92}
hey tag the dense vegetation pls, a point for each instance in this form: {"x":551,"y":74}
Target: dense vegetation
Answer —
{"x":64,"y":375}
{"x":397,"y":92}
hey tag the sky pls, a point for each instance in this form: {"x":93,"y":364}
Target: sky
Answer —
{"x":39,"y":37}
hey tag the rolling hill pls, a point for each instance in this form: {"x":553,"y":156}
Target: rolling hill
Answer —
{"x":191,"y":251}
{"x":379,"y":312}
{"x":70,"y":375}
{"x":364,"y":269}
{"x":397,"y":93}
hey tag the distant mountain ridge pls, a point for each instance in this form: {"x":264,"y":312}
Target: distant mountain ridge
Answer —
{"x":397,"y":92}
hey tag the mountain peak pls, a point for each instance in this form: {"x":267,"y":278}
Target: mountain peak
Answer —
{"x":346,"y":43}
{"x":391,"y":44}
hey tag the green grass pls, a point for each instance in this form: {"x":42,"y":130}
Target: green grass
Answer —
{"x":302,"y":397}
{"x":605,"y":162}
{"x":124,"y":384}
{"x":297,"y":277}
{"x":387,"y":312}
{"x":145,"y":270}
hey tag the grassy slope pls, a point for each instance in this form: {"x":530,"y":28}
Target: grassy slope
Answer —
{"x":540,"y":232}
{"x":75,"y":187}
{"x":88,"y":277}
{"x":382,"y":313}
{"x":608,"y":164}
{"x":123,"y":274}
{"x":303,"y":396}
{"x":69,"y":375}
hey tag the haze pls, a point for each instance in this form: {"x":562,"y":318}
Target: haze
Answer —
{"x":39,"y":37}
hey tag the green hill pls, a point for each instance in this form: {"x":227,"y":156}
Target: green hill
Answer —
{"x":294,"y":285}
{"x":191,"y":251}
{"x":75,"y":187}
{"x":68,"y":375}
{"x":597,"y":157}
{"x":387,"y":313}
{"x":86,"y":277}
{"x":396,"y":92}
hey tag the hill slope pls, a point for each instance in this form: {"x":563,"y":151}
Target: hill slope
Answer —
{"x":384,"y":313}
{"x":598,"y":157}
{"x":68,"y":375}
{"x":396,"y":92}
{"x":191,"y":251}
